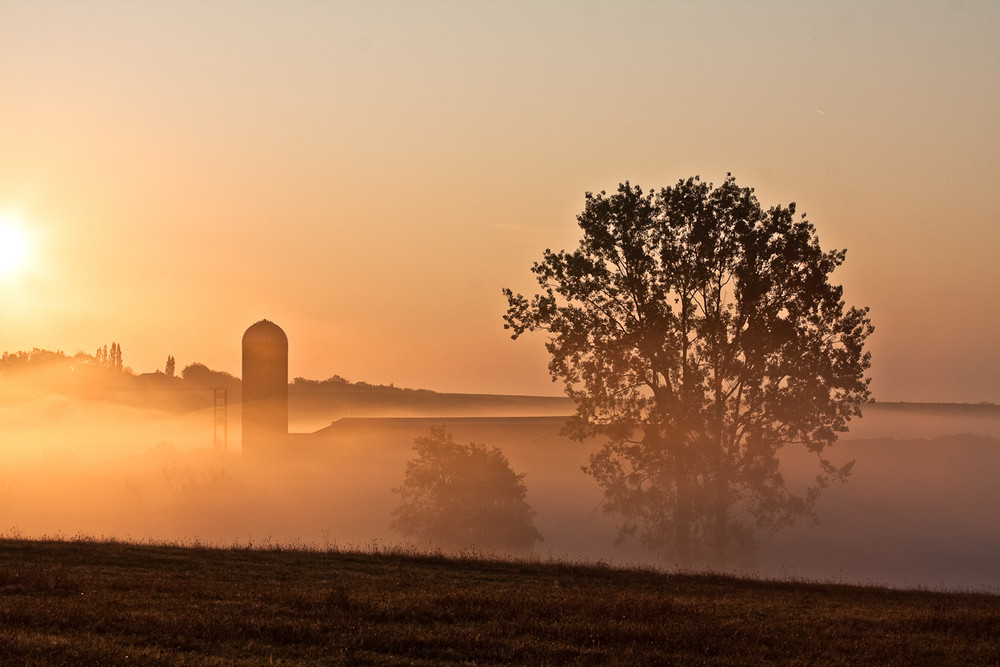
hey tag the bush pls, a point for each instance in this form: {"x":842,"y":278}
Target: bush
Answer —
{"x":464,"y":496}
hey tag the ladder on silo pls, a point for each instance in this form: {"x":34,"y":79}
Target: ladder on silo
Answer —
{"x":220,"y":432}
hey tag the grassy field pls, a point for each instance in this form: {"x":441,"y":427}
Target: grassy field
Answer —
{"x":94,"y":603}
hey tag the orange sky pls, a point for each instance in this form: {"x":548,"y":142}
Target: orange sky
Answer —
{"x":369,"y":175}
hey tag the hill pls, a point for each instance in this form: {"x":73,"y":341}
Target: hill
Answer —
{"x":89,"y":603}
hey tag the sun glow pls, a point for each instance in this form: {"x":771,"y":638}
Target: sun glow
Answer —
{"x":14,"y":246}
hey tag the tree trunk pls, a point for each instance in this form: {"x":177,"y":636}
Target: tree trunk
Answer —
{"x":721,"y":518}
{"x":721,"y":509}
{"x":682,"y":520}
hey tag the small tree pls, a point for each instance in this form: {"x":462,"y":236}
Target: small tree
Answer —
{"x":699,"y":334}
{"x":171,"y":366}
{"x":460,"y":496}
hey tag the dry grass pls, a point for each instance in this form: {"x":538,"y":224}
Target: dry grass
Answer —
{"x":87,"y":602}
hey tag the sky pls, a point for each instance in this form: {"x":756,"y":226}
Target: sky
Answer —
{"x":369,"y":175}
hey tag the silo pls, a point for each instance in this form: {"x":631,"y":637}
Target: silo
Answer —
{"x":265,"y":389}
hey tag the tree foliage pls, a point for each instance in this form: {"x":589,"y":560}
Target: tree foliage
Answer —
{"x":699,"y":333}
{"x":200,"y":376}
{"x":111,"y":358}
{"x":461,"y":496}
{"x":40,"y":371}
{"x":339,"y":385}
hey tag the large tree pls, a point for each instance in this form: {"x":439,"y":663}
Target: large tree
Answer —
{"x":698,"y":334}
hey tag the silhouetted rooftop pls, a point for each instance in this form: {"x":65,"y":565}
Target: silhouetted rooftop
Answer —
{"x":265,"y":331}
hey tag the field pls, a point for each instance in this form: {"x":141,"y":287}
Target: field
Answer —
{"x":87,"y":602}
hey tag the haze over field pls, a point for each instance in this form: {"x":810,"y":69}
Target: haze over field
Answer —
{"x":370,"y":174}
{"x":918,"y":510}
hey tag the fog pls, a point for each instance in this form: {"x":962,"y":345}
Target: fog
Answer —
{"x":919,"y":509}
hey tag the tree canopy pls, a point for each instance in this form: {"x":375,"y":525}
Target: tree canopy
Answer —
{"x":698,"y":334}
{"x":464,"y":496}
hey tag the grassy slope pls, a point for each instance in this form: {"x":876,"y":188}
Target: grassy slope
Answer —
{"x":80,"y":603}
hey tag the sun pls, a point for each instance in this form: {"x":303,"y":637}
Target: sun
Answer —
{"x":14,"y":246}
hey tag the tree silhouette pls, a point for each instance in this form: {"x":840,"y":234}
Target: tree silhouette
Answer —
{"x":699,"y":334}
{"x":111,"y":358}
{"x":200,"y":376}
{"x":460,"y":496}
{"x":171,"y":366}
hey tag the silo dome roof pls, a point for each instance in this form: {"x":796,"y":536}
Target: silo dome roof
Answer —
{"x":265,"y":332}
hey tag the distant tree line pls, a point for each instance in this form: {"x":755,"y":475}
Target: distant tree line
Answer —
{"x":101,"y":375}
{"x":104,"y":374}
{"x":105,"y":358}
{"x":37,"y":358}
{"x":337,"y":384}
